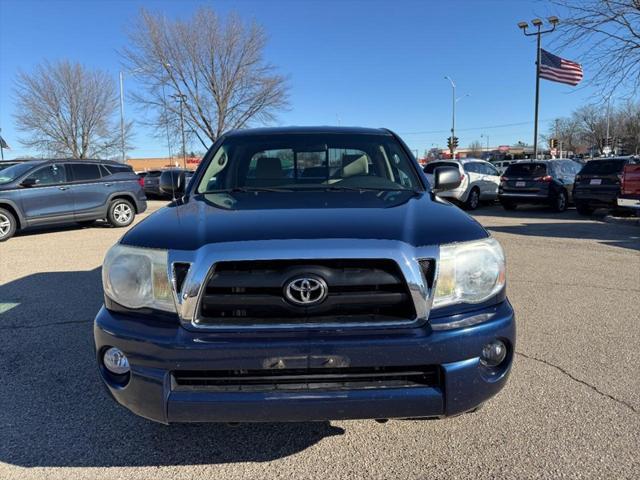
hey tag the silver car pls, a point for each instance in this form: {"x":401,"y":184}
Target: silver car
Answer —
{"x":479,"y":181}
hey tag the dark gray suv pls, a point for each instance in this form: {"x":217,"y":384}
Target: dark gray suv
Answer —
{"x":51,"y":192}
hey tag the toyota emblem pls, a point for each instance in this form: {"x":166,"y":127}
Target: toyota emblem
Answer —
{"x":305,"y":291}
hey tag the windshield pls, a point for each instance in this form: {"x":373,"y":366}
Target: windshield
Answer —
{"x":526,"y":170}
{"x":603,"y":167}
{"x":13,"y":172}
{"x":430,"y":168}
{"x":310,"y":161}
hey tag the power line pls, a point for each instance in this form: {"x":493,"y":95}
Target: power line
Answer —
{"x":504,"y":125}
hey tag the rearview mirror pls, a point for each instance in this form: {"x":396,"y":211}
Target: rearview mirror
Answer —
{"x":172,"y":183}
{"x":29,"y":182}
{"x":445,"y":178}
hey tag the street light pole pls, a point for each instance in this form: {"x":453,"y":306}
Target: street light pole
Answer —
{"x":536,"y":22}
{"x":122,"y":115}
{"x":453,"y":117}
{"x":180,"y":97}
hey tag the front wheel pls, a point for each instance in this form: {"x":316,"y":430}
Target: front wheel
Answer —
{"x":560,"y":202}
{"x":121,"y":213}
{"x":473,"y":200}
{"x":8,"y":225}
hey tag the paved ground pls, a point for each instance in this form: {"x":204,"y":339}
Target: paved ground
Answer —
{"x":571,"y":407}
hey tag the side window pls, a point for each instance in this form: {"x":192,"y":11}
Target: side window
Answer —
{"x":49,"y":175}
{"x":472,"y":167}
{"x":105,"y":171}
{"x":491,"y":170}
{"x":85,"y":172}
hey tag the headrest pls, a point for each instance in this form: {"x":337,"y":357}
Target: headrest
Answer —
{"x":269,"y":167}
{"x":354,"y":165}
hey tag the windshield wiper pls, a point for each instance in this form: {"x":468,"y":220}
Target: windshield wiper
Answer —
{"x":248,"y":190}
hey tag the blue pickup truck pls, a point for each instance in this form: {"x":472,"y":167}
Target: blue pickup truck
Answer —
{"x":305,"y":274}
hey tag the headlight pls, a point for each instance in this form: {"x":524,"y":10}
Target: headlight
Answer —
{"x":137,"y":278}
{"x":469,"y":272}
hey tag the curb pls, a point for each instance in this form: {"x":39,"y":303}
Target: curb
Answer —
{"x":622,"y":220}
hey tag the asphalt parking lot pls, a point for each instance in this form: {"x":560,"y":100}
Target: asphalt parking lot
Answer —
{"x":571,"y":408}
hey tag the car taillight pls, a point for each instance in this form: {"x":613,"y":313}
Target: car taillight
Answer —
{"x":141,"y":181}
{"x":504,"y":179}
{"x":546,"y":179}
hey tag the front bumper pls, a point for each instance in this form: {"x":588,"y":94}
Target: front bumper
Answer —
{"x":155,"y":349}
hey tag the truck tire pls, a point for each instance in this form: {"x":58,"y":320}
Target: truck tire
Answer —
{"x":8,"y":224}
{"x":121,"y":213}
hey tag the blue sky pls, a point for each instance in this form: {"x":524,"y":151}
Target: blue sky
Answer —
{"x":366,"y":63}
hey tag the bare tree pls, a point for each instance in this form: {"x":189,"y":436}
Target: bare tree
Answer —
{"x":475,"y":149}
{"x":66,"y":110}
{"x":608,"y":31}
{"x":215,"y":63}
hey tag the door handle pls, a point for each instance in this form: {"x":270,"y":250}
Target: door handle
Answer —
{"x":108,"y":184}
{"x":63,"y":188}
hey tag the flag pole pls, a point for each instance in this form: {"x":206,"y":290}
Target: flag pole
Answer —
{"x":536,"y":22}
{"x":535,"y":121}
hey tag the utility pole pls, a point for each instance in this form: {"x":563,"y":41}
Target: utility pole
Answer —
{"x":607,"y":148}
{"x":536,"y":22}
{"x":180,"y":97}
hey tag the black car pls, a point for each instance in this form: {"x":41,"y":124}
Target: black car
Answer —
{"x":183,"y":177}
{"x":151,"y":183}
{"x":48,"y":192}
{"x":542,"y":182}
{"x":598,"y":184}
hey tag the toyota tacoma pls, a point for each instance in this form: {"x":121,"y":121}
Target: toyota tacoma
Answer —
{"x":305,"y":274}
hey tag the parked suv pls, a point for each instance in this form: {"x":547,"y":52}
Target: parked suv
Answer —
{"x":479,"y":181}
{"x":598,"y":184}
{"x":315,"y":276}
{"x":49,"y":192}
{"x":541,"y":182}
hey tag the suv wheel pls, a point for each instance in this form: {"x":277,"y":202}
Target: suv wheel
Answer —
{"x":473,"y":200}
{"x":560,"y":202}
{"x":583,"y":209}
{"x":121,"y":213}
{"x":8,"y":225}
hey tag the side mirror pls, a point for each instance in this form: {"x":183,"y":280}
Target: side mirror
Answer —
{"x":172,"y":183}
{"x":29,"y":182}
{"x":445,"y":178}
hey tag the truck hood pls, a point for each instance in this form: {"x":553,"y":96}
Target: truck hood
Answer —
{"x":416,"y":219}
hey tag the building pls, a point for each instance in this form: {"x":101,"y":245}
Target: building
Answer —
{"x":159,"y":163}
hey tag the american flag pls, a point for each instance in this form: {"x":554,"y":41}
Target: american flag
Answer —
{"x":558,"y":69}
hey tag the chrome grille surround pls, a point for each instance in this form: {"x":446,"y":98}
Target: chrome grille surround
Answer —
{"x":204,"y":259}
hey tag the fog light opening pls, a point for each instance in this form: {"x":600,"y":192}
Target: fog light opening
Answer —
{"x":115,"y":361}
{"x":493,"y":353}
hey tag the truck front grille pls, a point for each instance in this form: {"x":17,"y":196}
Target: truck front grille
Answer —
{"x":306,"y":379}
{"x":358,"y":291}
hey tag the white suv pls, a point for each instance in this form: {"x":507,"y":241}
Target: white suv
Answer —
{"x":479,"y":181}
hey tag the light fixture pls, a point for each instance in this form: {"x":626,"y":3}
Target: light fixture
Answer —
{"x":553,"y":20}
{"x":523,"y":25}
{"x":536,"y":22}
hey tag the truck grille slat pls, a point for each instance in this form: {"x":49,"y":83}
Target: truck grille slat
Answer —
{"x":358,"y":290}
